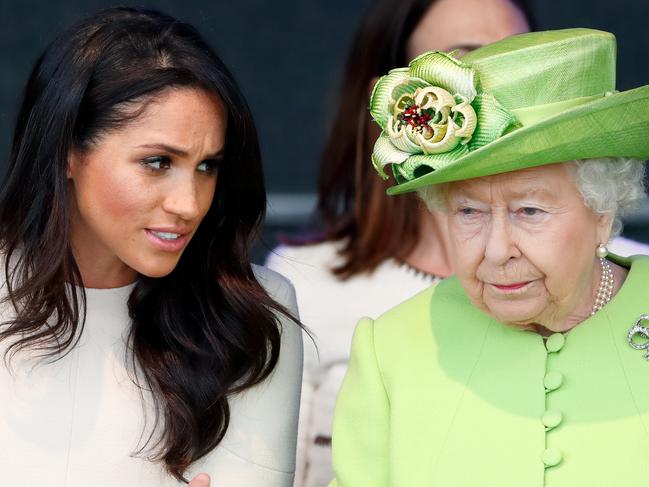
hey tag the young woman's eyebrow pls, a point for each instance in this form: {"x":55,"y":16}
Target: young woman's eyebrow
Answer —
{"x":177,"y":151}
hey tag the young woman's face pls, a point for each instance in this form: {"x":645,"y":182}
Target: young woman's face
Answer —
{"x":139,"y":193}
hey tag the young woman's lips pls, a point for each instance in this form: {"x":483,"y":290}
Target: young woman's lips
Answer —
{"x":166,"y":244}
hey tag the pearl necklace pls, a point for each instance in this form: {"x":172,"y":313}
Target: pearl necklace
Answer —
{"x":605,"y":290}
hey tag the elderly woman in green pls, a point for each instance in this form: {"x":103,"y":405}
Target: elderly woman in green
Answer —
{"x":530,"y":367}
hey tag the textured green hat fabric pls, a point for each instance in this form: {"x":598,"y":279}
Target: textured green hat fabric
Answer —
{"x":528,"y":100}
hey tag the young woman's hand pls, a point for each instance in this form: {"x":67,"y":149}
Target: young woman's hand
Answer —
{"x":201,"y":480}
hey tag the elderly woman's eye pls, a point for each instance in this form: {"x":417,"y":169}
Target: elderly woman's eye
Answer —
{"x":466,"y":211}
{"x":157,"y":163}
{"x":530,"y":211}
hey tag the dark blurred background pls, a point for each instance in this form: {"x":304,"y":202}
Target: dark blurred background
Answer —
{"x":287,"y":56}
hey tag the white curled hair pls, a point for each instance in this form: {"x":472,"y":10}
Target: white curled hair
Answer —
{"x":612,"y":186}
{"x":434,"y":196}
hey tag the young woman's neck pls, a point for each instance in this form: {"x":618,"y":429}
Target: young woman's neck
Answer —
{"x":100,"y":272}
{"x":100,"y":269}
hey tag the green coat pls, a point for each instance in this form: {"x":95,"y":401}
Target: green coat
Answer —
{"x":438,"y":394}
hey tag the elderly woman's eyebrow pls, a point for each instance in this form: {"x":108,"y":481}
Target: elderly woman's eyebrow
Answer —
{"x":463,"y":193}
{"x":468,"y":193}
{"x":535,"y":191}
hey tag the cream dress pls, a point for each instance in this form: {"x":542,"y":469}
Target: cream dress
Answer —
{"x":76,"y":422}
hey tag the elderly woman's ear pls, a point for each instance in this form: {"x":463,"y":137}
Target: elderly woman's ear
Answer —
{"x":604,"y":227}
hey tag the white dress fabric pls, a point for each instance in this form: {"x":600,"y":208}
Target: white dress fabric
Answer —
{"x":78,"y":421}
{"x":330,"y":308}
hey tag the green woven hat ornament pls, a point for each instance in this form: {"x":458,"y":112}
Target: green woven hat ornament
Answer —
{"x":528,"y":100}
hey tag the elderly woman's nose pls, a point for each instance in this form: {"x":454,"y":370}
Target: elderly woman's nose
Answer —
{"x":499,"y":245}
{"x":181,"y":198}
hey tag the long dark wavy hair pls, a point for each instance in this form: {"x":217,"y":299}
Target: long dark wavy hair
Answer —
{"x":352,"y":204}
{"x":199,"y":334}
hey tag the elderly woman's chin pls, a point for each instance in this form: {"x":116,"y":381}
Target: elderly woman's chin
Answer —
{"x":523,"y":309}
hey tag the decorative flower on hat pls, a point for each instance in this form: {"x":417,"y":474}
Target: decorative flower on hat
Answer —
{"x":432,"y":113}
{"x":432,"y":120}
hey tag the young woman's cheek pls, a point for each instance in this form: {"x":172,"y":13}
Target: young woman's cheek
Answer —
{"x":123,"y":192}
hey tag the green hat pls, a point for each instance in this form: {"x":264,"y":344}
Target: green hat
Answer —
{"x":525,"y":101}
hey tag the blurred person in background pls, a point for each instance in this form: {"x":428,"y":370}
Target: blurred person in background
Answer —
{"x":375,"y":251}
{"x":141,"y":347}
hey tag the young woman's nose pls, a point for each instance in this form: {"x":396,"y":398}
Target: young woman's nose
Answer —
{"x":182,"y":198}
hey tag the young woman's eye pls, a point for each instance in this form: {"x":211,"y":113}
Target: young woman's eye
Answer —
{"x":208,"y":166}
{"x":157,"y":163}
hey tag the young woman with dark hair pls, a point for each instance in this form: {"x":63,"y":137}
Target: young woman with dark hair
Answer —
{"x":376,"y":251}
{"x":141,"y":346}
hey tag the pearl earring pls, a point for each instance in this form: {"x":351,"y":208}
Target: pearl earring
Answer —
{"x":602,"y":251}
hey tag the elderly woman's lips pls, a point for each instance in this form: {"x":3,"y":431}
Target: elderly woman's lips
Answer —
{"x":511,"y":287}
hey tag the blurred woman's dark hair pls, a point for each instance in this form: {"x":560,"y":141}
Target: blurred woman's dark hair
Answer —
{"x":206,"y":330}
{"x":352,"y":204}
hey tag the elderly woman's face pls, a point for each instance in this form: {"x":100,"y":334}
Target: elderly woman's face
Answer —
{"x":140,"y":192}
{"x":523,"y":245}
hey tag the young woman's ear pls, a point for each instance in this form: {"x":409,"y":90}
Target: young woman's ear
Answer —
{"x":74,"y":158}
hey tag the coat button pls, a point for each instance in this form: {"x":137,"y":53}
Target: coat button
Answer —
{"x":552,"y":419}
{"x":553,"y":380}
{"x":555,"y":342}
{"x":552,"y":457}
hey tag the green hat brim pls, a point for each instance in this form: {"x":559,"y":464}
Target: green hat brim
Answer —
{"x":613,"y":126}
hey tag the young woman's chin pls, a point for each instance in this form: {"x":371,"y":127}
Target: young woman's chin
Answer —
{"x":151,"y":257}
{"x":154,"y":266}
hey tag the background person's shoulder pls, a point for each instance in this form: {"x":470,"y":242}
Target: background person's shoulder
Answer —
{"x":317,"y":256}
{"x":276,"y":285}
